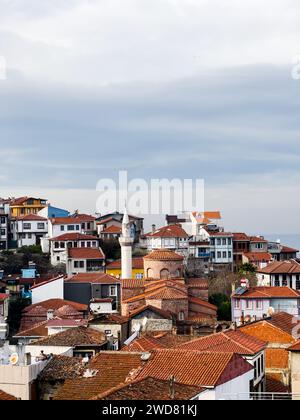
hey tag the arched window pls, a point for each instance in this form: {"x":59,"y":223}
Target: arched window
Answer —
{"x":150,"y":274}
{"x":164,"y":274}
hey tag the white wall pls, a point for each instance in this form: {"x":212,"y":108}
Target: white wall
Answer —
{"x":51,"y":290}
{"x":16,"y":380}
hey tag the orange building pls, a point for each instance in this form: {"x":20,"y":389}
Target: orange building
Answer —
{"x":278,"y":331}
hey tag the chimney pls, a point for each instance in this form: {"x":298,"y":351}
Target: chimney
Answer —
{"x":153,"y":228}
{"x":172,"y":382}
{"x":50,"y":314}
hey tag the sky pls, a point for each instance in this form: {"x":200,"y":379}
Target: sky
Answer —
{"x":160,"y":88}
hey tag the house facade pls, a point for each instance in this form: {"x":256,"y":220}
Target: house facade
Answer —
{"x":23,"y":206}
{"x":172,"y":237}
{"x":29,"y":230}
{"x":255,"y":303}
{"x":61,"y":245}
{"x":280,"y":274}
{"x":4,"y":225}
{"x":77,"y":223}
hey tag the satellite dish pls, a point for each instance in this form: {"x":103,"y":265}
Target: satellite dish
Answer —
{"x":14,"y":359}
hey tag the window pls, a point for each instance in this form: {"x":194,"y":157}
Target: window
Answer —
{"x":213,"y":241}
{"x":229,"y":254}
{"x":277,"y":283}
{"x":71,"y":227}
{"x":224,"y":254}
{"x":88,"y":244}
{"x":259,"y":304}
{"x":3,"y":220}
{"x":298,"y":283}
{"x":62,"y":228}
{"x":94,"y":244}
{"x":255,"y":370}
{"x":56,"y":245}
{"x":229,"y":241}
{"x":213,"y":255}
{"x":77,"y":227}
{"x":29,"y":235}
{"x":2,"y":232}
{"x":219,"y":254}
{"x":181,"y":316}
{"x":248,"y":304}
{"x":224,"y":241}
{"x":41,"y":225}
{"x":27,"y":226}
{"x":218,"y":241}
{"x":112,"y":291}
{"x":62,"y":245}
{"x":237,"y":304}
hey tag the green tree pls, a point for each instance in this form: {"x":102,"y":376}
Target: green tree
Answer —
{"x":111,"y":248}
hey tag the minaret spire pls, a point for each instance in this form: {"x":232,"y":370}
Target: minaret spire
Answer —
{"x":126,"y":242}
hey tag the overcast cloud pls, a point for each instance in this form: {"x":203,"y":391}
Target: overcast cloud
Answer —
{"x":163,"y":88}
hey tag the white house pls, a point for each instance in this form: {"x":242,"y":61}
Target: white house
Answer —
{"x":60,"y":245}
{"x":280,"y":274}
{"x":29,"y":230}
{"x":4,"y":301}
{"x":172,"y":237}
{"x":51,"y":289}
{"x":80,"y":223}
{"x":255,"y":303}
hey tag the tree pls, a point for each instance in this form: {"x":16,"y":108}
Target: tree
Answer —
{"x":223,"y":304}
{"x":246,"y":269}
{"x":111,"y":248}
{"x":225,"y":282}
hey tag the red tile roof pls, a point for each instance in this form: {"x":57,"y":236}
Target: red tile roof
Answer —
{"x":133,"y":283}
{"x":164,"y":314}
{"x":37,"y":331}
{"x":6,"y":397}
{"x":209,"y":214}
{"x":56,"y":304}
{"x":73,"y":337}
{"x":68,"y":323}
{"x":71,"y":220}
{"x":227,"y":342}
{"x":282,"y":267}
{"x":86,"y":253}
{"x":258,"y":239}
{"x":195,"y":368}
{"x":61,"y":368}
{"x":275,"y":386}
{"x":214,"y":233}
{"x":96,"y":278}
{"x":31,"y":218}
{"x":284,"y":322}
{"x":110,"y":370}
{"x":295,"y":347}
{"x":268,"y":292}
{"x":46,"y":282}
{"x":239,"y":236}
{"x":288,"y":250}
{"x":166,"y":293}
{"x":197,"y":283}
{"x":172,"y":231}
{"x":202,"y":303}
{"x":144,"y":344}
{"x":112,"y":230}
{"x":150,"y":389}
{"x":75,"y":237}
{"x":258,"y":256}
{"x":164,"y":255}
{"x":137,"y":263}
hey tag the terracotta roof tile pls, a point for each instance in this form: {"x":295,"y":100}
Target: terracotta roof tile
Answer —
{"x":227,"y":342}
{"x":282,"y":267}
{"x":268,"y":292}
{"x":6,"y":397}
{"x":172,"y":231}
{"x":144,"y":344}
{"x":111,"y":369}
{"x":73,"y":337}
{"x":86,"y":253}
{"x":202,"y":303}
{"x":164,"y":255}
{"x":31,"y":218}
{"x":37,"y":331}
{"x":75,"y":237}
{"x":150,"y":389}
{"x":56,"y":304}
{"x":164,"y":314}
{"x":112,"y":230}
{"x":287,"y":250}
{"x":61,"y":368}
{"x":133,"y":283}
{"x":239,"y":236}
{"x":72,"y":220}
{"x":258,"y":256}
{"x":212,"y":368}
{"x":295,"y":347}
{"x":96,"y":278}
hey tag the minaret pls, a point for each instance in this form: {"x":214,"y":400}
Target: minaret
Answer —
{"x":126,"y":242}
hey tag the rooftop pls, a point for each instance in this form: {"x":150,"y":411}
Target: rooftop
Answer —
{"x":172,"y":231}
{"x":56,"y":304}
{"x":75,"y":237}
{"x":150,"y":389}
{"x":6,"y":397}
{"x":282,"y":267}
{"x":268,"y":292}
{"x":86,"y":253}
{"x":61,"y":368}
{"x":80,"y":218}
{"x":137,"y":263}
{"x":164,"y":255}
{"x":96,"y":278}
{"x":227,"y":342}
{"x":109,"y":369}
{"x":74,"y":337}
